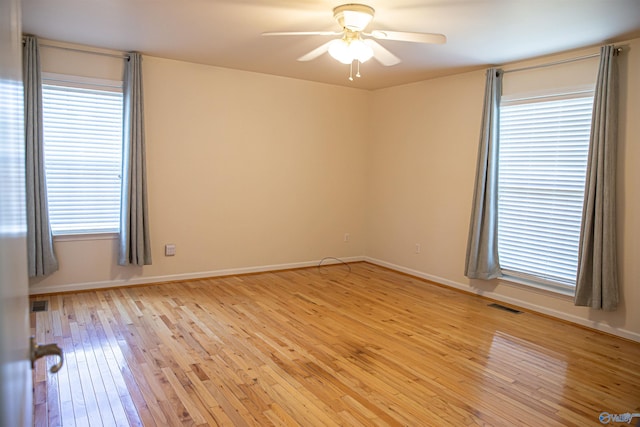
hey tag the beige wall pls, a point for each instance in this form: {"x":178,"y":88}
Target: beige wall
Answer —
{"x":246,"y":171}
{"x":420,"y":186}
{"x":249,"y":171}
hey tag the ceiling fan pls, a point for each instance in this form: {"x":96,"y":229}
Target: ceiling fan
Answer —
{"x":354,"y":44}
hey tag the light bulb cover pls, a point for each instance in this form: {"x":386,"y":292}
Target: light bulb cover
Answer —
{"x":360,"y":50}
{"x":339,"y":50}
{"x":346,"y":51}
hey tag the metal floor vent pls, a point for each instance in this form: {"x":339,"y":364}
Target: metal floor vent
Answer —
{"x":502,"y":307}
{"x":37,"y":306}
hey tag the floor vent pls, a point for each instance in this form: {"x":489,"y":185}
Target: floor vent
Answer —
{"x":37,"y":306}
{"x":502,"y":307}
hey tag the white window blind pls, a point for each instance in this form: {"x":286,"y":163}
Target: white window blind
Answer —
{"x":83,"y":156}
{"x":12,"y":160}
{"x":544,"y":146}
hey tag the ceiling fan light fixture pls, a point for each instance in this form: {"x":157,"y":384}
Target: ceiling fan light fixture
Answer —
{"x":354,"y":18}
{"x":347,"y":51}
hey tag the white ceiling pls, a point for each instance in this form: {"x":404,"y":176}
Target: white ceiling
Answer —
{"x":227,"y":33}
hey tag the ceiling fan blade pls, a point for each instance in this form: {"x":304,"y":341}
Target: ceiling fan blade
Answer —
{"x":303,"y":33}
{"x":409,"y":37}
{"x":381,"y":54}
{"x":315,"y":52}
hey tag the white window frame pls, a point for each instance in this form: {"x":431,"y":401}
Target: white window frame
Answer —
{"x":72,"y":232}
{"x":520,"y":277}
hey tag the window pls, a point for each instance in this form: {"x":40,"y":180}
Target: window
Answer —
{"x":544,"y":145}
{"x":83,"y":154}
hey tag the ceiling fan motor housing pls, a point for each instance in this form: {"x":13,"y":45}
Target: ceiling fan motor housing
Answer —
{"x":353,"y":17}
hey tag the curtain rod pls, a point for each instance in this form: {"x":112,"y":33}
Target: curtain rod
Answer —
{"x":71,"y":49}
{"x":563,"y":61}
{"x":91,"y":52}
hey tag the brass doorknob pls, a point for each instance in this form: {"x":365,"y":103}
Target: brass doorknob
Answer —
{"x":40,"y":350}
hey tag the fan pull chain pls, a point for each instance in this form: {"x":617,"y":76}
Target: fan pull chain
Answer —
{"x":351,"y":70}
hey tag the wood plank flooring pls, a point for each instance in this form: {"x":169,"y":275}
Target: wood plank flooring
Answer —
{"x":321,"y":346}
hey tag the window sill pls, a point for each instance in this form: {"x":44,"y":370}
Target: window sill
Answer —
{"x":87,"y":236}
{"x":548,"y":287}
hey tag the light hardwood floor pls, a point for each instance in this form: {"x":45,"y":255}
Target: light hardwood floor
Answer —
{"x":322,"y":346}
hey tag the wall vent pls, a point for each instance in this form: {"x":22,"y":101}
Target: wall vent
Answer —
{"x":37,"y":306}
{"x":502,"y":307}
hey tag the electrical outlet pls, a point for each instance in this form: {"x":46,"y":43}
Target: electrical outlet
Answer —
{"x":169,"y":249}
{"x":418,"y":248}
{"x":346,"y":237}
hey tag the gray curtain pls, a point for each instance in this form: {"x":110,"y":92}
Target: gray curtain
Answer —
{"x":41,"y":256}
{"x":135,"y":247}
{"x":597,"y":279}
{"x":482,"y":246}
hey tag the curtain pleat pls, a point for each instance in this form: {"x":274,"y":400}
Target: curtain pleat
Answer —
{"x":135,"y":247}
{"x":41,"y":258}
{"x":597,"y":277}
{"x":482,"y":260}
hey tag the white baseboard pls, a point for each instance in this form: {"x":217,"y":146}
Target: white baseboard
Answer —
{"x":624,"y":333}
{"x":86,"y":286}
